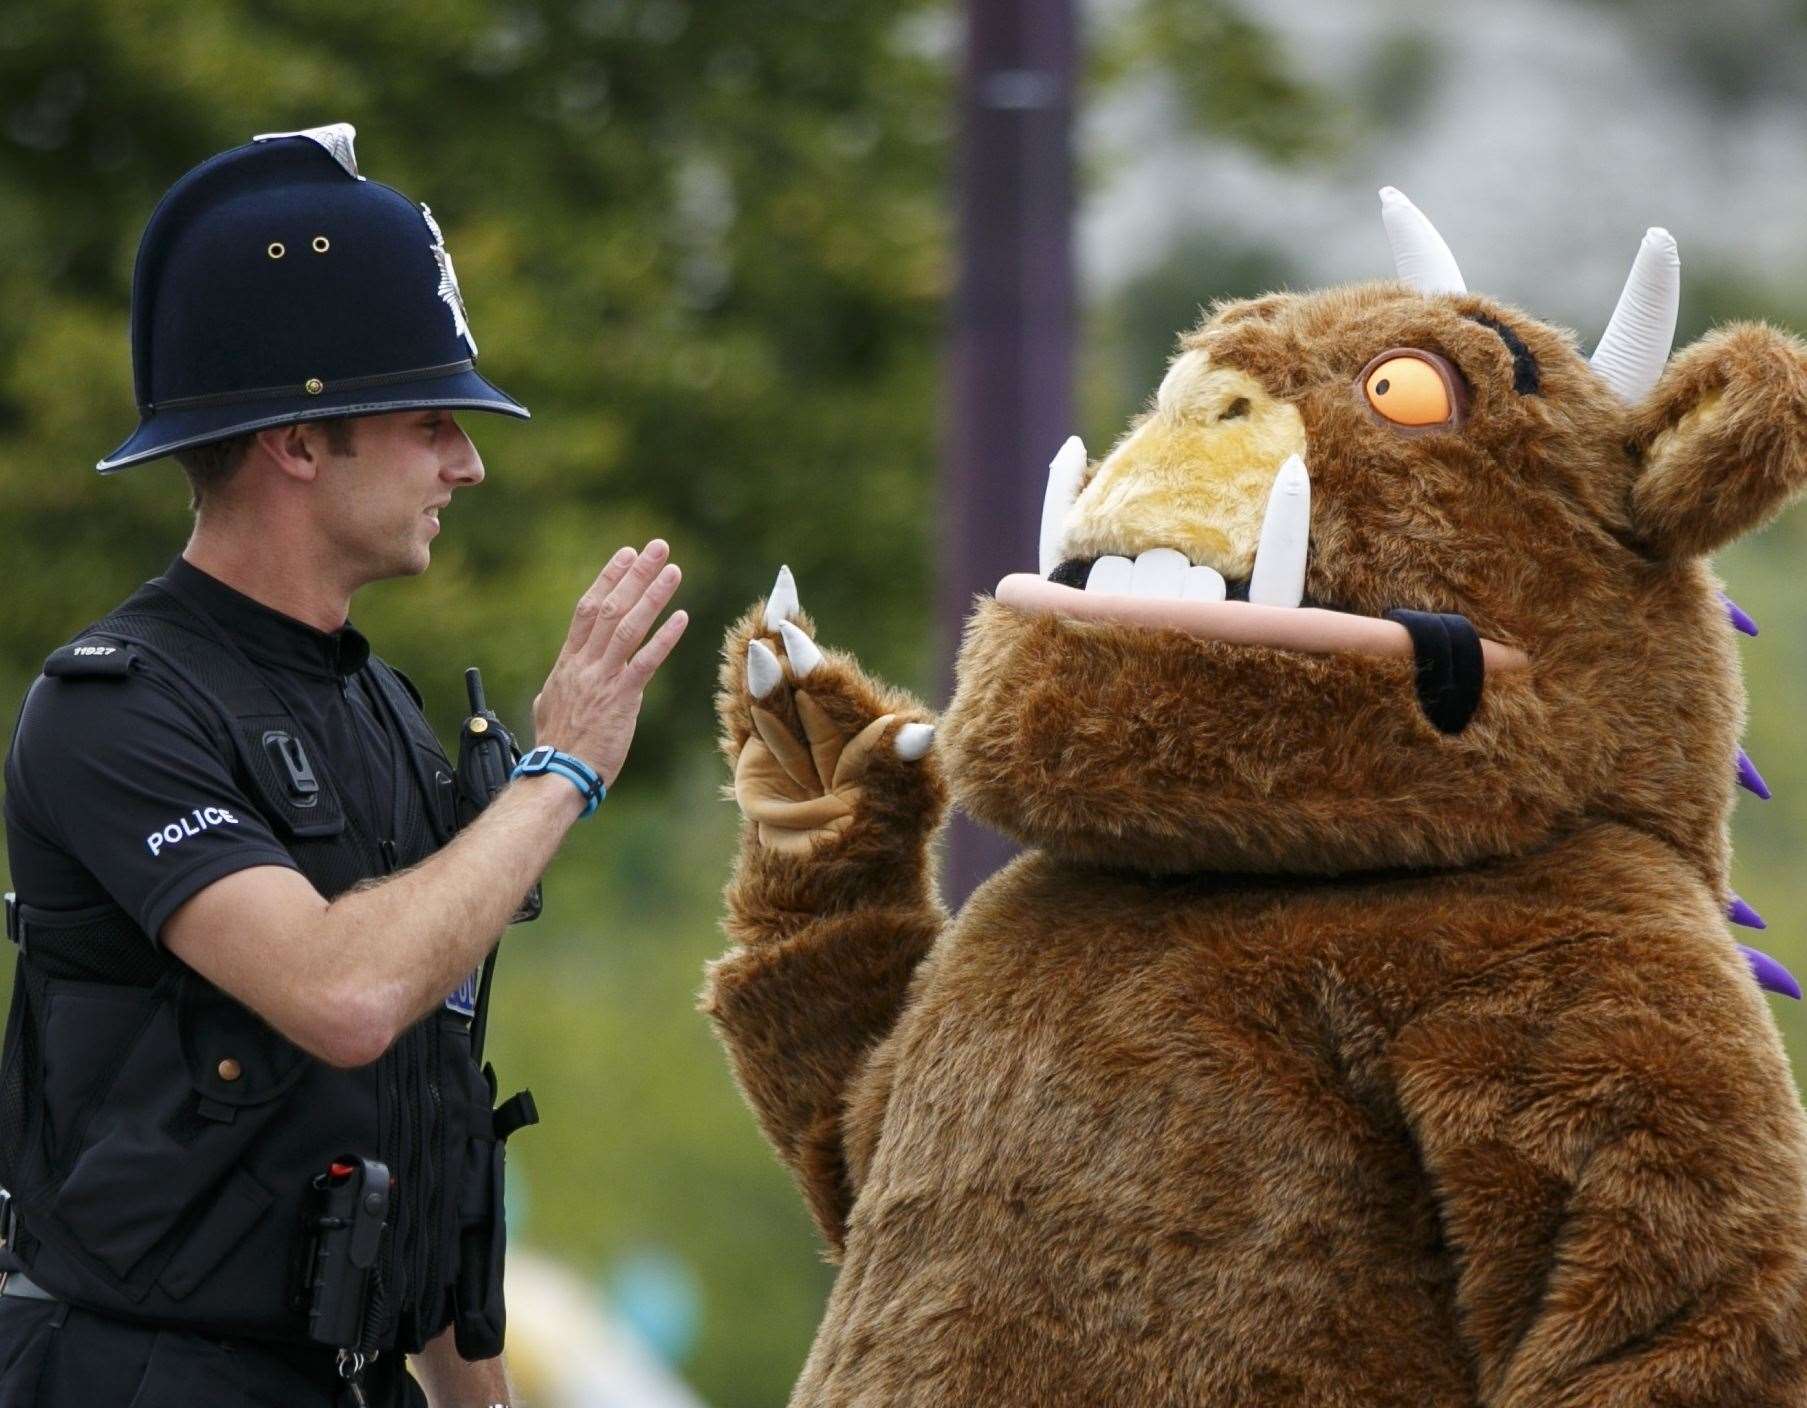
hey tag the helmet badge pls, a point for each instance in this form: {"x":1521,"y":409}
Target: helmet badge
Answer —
{"x":337,"y":139}
{"x":448,"y":281}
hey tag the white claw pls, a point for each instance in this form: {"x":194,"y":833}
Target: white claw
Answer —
{"x":782,"y":604}
{"x":763,"y":670}
{"x":1203,"y":584}
{"x":1158,"y":572}
{"x":1279,"y":575}
{"x":1111,"y":574}
{"x":913,"y":741}
{"x":1063,"y":477}
{"x":800,"y":650}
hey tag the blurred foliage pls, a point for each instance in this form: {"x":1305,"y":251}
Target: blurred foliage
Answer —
{"x":1227,"y":68}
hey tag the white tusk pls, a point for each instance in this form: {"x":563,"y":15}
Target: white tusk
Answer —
{"x":782,"y":604}
{"x":1279,"y":575}
{"x":1635,"y":346}
{"x":1063,"y":477}
{"x":763,"y":670}
{"x":1420,"y":256}
{"x":913,"y":741}
{"x":799,"y":649}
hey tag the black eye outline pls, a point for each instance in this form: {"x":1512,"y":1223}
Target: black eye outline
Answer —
{"x":1455,"y":387}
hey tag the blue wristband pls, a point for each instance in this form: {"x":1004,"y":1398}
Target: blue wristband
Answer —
{"x":547,"y":759}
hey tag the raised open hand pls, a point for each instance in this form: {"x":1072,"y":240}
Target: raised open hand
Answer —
{"x":807,"y":731}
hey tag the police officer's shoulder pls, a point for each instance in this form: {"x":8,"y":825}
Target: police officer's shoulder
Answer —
{"x":93,"y":684}
{"x":92,"y":656}
{"x":406,"y":683}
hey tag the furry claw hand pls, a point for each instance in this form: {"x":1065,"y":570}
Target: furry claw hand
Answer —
{"x":804,"y":756}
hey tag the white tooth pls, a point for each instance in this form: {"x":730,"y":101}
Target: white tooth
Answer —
{"x":1111,"y":574}
{"x":1279,"y":575}
{"x":800,"y":649}
{"x":1203,"y":584}
{"x":763,"y":670}
{"x":913,"y":741}
{"x":782,"y":604}
{"x":1063,"y":477}
{"x":1158,"y":572}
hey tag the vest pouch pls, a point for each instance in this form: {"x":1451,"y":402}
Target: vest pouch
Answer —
{"x":478,"y":1316}
{"x":89,"y":1031}
{"x":155,"y":1177}
{"x":478,"y":1320}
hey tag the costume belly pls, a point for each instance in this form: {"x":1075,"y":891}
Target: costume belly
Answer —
{"x":1145,"y":1162}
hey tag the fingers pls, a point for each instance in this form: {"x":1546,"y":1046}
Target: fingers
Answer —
{"x":630,"y":581}
{"x":583,"y":619}
{"x":858,"y":753}
{"x":640,"y":615}
{"x":788,"y":753}
{"x":627,"y":611}
{"x":825,"y":739}
{"x":650,"y":656}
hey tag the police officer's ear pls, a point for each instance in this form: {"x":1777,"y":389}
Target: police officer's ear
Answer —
{"x":297,"y":450}
{"x":289,"y":449}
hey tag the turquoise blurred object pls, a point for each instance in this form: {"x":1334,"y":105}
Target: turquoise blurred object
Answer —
{"x":655,"y":1294}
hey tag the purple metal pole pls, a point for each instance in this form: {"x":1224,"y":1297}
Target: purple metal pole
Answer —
{"x":1011,"y":370}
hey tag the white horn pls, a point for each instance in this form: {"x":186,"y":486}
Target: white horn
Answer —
{"x":1636,"y":343}
{"x":1063,"y":477}
{"x":1420,"y":256}
{"x":1279,"y":575}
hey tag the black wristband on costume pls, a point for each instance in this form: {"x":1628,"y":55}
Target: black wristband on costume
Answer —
{"x":1451,"y":667}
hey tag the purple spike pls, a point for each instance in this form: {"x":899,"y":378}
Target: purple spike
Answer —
{"x":1736,"y":614}
{"x":1741,"y":913}
{"x":1771,"y":976}
{"x":1749,"y":778}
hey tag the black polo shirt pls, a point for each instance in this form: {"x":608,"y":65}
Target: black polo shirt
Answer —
{"x":125,"y":789}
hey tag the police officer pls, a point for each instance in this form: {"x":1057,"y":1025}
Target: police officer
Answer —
{"x":251,"y":1156}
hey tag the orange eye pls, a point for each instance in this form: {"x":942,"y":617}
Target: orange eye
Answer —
{"x":1409,"y":389}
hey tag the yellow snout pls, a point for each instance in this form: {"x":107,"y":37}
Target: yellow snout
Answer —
{"x":1194,"y":475}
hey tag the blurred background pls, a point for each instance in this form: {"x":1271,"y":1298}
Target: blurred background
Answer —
{"x":717,"y":247}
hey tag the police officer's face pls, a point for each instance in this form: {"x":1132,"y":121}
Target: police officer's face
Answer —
{"x":385,"y":496}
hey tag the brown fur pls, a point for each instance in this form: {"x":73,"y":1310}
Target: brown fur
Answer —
{"x":1310,"y":1056}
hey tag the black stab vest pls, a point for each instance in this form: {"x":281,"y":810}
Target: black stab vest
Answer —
{"x":159,"y":1138}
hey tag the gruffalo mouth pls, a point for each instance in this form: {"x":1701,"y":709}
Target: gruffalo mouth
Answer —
{"x":1360,"y":1024}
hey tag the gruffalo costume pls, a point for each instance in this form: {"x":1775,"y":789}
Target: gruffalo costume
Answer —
{"x":1360,"y":1025}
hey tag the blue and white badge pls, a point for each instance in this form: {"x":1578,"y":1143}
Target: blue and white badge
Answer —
{"x":464,"y":1000}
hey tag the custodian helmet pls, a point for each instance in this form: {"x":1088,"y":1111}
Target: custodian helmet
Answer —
{"x":274,"y":284}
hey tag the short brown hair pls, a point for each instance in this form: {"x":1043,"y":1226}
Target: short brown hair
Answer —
{"x":209,"y":466}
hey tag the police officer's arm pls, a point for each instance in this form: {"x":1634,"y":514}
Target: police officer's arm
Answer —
{"x":343,"y":979}
{"x":452,"y":1381}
